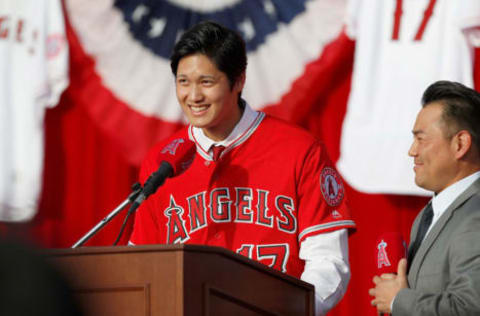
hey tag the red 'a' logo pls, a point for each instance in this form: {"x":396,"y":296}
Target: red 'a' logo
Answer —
{"x":382,"y":258}
{"x":176,"y":232}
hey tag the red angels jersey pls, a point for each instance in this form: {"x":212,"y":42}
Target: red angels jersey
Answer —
{"x":33,"y":74}
{"x":271,"y":188}
{"x":402,"y":46}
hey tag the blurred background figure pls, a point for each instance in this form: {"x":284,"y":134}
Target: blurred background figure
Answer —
{"x":30,"y":286}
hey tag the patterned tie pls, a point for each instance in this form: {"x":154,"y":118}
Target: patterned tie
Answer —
{"x":217,"y":151}
{"x":425,"y":223}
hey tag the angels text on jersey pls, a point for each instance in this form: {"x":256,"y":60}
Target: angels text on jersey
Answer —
{"x":225,"y":205}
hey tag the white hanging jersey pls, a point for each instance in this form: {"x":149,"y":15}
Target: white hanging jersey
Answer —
{"x":401,"y":48}
{"x":33,"y":73}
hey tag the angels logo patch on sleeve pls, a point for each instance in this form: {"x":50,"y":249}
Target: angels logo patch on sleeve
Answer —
{"x":331,"y":186}
{"x":171,"y":148}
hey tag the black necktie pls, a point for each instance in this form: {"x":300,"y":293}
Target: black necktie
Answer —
{"x":425,"y":223}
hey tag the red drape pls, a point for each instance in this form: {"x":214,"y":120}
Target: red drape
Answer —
{"x":85,"y":177}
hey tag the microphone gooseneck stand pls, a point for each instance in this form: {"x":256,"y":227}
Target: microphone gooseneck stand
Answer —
{"x":137,"y":189}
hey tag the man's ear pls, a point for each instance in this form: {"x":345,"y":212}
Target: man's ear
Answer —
{"x":240,"y":83}
{"x":461,"y":143}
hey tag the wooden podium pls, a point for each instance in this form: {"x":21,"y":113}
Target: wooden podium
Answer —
{"x":179,"y":280}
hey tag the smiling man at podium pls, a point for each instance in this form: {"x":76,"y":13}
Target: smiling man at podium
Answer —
{"x":258,"y":186}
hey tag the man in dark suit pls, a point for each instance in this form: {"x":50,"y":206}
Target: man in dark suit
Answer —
{"x":442,"y":276}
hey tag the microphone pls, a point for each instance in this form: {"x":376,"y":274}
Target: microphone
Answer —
{"x":174,"y":159}
{"x":390,"y":248}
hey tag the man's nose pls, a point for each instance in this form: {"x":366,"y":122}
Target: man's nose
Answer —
{"x":412,"y":152}
{"x":195,"y":94}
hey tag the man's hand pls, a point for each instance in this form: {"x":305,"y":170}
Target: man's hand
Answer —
{"x":387,"y":286}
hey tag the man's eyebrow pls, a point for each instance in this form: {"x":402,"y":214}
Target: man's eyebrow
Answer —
{"x":208,"y":76}
{"x":201,"y":76}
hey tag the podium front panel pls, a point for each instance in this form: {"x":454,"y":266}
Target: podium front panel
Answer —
{"x":179,"y":280}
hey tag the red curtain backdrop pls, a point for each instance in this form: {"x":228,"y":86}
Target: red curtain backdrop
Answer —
{"x":87,"y":174}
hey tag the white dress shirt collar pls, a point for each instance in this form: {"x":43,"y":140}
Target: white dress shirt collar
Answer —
{"x":246,"y":121}
{"x":444,"y":199}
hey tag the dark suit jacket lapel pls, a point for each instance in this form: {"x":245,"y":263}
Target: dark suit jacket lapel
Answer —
{"x":436,"y":230}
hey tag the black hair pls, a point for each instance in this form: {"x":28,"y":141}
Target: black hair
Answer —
{"x":224,"y":47}
{"x":461,"y":109}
